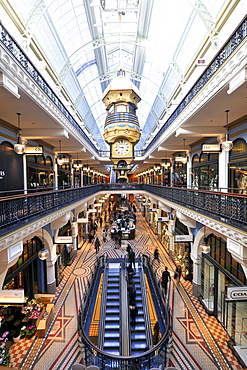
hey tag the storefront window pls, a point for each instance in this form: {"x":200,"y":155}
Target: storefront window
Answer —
{"x":204,"y":172}
{"x":238,"y":167}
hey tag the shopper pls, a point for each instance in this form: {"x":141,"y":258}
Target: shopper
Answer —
{"x":178,"y":273}
{"x":165,"y":278}
{"x":133,"y":314}
{"x":97,"y":244}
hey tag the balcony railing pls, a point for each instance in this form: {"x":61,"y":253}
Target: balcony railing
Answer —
{"x":121,"y":117}
{"x":225,"y":207}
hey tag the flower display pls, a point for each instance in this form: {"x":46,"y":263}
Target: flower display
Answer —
{"x":32,"y":309}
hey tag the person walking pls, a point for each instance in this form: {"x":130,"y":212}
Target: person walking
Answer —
{"x":100,"y":221}
{"x":90,"y":237}
{"x":165,"y":278}
{"x":133,"y":314}
{"x":178,"y":273}
{"x":97,"y":244}
{"x":132,"y":258}
{"x":156,"y":332}
{"x":156,"y":255}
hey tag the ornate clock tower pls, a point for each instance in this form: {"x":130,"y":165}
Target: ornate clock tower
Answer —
{"x":122,"y":131}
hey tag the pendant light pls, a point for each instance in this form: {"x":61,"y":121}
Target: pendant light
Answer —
{"x":43,"y":252}
{"x":19,"y":148}
{"x":227,"y":145}
{"x":205,"y":246}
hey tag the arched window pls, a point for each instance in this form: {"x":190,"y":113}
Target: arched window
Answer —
{"x":41,"y":160}
{"x":7,"y":144}
{"x":203,"y":157}
{"x":195,"y":159}
{"x":239,"y":146}
{"x":48,"y":161}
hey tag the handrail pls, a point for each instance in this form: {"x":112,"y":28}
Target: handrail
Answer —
{"x":226,"y":207}
{"x":148,"y":331}
{"x":103,"y":307}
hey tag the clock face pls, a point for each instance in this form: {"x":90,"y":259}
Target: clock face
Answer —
{"x":122,"y":147}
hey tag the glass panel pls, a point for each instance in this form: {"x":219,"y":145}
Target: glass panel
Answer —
{"x":208,"y":284}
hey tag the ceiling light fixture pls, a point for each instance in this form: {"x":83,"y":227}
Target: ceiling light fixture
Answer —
{"x":19,"y":148}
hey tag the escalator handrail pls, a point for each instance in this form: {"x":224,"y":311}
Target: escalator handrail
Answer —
{"x":105,"y":355}
{"x":103,"y":307}
{"x":145,"y":309}
{"x":124,"y":307}
{"x":162,"y":305}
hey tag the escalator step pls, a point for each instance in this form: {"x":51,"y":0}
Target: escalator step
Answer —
{"x":112,"y":334}
{"x":139,"y":345}
{"x":111,"y":343}
{"x":136,"y":336}
{"x":112,"y":326}
{"x":111,"y":317}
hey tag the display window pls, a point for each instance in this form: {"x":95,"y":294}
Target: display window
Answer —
{"x":238,"y":167}
{"x":39,"y":172}
{"x":218,"y":272}
{"x":204,"y":172}
{"x":179,"y":175}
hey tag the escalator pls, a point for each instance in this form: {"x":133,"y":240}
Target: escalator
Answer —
{"x":116,"y":335}
{"x":139,"y":334}
{"x":112,"y":332}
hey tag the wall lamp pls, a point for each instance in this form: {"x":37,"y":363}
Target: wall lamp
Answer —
{"x":205,"y":246}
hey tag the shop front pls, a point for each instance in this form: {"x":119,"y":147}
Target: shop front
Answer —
{"x":39,"y":172}
{"x":29,"y":272}
{"x":238,"y":167}
{"x":220,"y":272}
{"x":204,"y":172}
{"x":179,"y":175}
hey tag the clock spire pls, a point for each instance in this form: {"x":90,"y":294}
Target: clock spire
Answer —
{"x":122,"y":130}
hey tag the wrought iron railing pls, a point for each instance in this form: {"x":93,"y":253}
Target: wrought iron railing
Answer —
{"x":225,"y":207}
{"x":119,"y":117}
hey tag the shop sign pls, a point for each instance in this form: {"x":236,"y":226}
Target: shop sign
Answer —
{"x":12,"y":296}
{"x":146,"y":204}
{"x":2,"y":174}
{"x":34,"y":150}
{"x":152,"y":210}
{"x":82,"y":220}
{"x":63,"y":240}
{"x":237,"y":293}
{"x":211,"y":148}
{"x":163,"y":219}
{"x":183,"y":238}
{"x":92,"y":210}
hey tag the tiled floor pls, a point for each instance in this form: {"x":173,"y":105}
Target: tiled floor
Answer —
{"x":199,"y":342}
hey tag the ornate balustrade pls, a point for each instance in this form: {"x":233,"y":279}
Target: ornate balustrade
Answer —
{"x":225,"y":207}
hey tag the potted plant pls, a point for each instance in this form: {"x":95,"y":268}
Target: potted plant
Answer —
{"x":16,"y":337}
{"x":31,"y":330}
{"x":23,"y":332}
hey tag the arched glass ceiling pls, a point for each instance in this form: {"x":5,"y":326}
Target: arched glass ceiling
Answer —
{"x":87,"y":41}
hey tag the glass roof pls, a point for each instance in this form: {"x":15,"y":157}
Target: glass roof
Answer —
{"x":87,"y":41}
